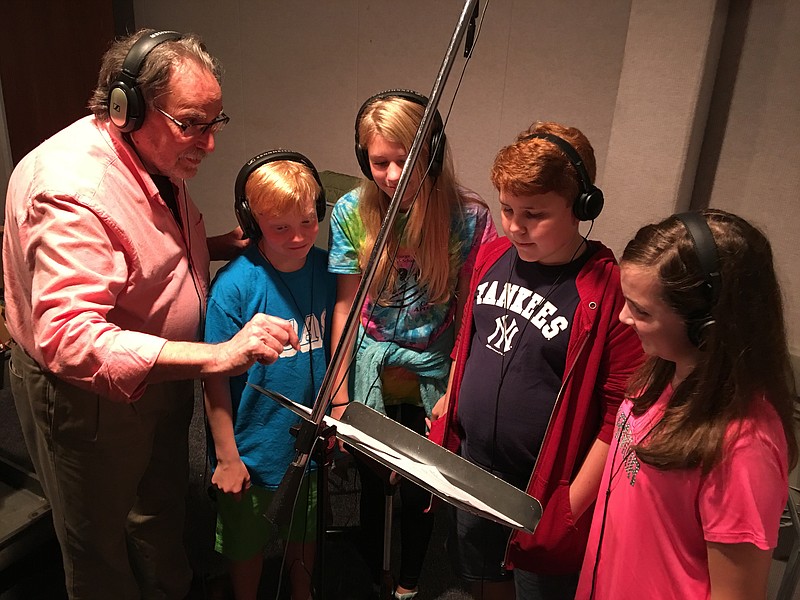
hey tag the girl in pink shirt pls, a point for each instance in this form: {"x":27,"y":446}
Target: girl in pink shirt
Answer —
{"x":697,"y":476}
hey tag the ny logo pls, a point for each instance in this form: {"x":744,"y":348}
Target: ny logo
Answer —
{"x":500,"y":341}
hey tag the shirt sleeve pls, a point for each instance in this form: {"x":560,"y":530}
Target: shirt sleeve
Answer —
{"x":346,"y":236}
{"x":223,"y":320}
{"x":479,"y":228}
{"x":742,"y":498}
{"x":78,"y":272}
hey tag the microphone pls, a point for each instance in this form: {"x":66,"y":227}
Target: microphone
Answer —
{"x":469,"y":41}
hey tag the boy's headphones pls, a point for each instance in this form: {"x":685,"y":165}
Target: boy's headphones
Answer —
{"x":438,"y":137}
{"x":241,"y":206}
{"x":589,"y":202}
{"x":705,"y":248}
{"x":126,"y":104}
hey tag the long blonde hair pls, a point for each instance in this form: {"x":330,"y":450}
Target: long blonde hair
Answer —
{"x":427,"y":231}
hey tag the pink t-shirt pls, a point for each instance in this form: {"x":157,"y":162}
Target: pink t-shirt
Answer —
{"x":657,"y":523}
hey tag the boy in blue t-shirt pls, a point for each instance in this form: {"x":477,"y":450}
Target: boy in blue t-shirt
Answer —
{"x":279,"y":203}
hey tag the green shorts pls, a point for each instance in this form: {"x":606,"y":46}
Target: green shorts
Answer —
{"x":243,"y":531}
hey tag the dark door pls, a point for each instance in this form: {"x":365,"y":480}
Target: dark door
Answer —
{"x":50,"y":54}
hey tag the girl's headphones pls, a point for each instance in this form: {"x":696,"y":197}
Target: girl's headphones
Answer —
{"x":126,"y":104}
{"x":705,"y":248}
{"x":589,"y":202}
{"x":241,"y":206}
{"x":438,"y":137}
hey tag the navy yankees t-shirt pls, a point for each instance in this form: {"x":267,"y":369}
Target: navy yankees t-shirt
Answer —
{"x":522,"y":315}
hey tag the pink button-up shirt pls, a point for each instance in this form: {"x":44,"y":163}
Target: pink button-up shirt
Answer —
{"x":98,"y":274}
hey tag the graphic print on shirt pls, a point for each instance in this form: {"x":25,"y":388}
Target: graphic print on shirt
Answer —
{"x":407,"y":294}
{"x":630,"y":462}
{"x":500,"y":341}
{"x":526,"y":305}
{"x":404,"y":309}
{"x":311,"y":338}
{"x":522,"y":319}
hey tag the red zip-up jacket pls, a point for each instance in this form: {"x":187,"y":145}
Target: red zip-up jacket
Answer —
{"x":601,"y":356}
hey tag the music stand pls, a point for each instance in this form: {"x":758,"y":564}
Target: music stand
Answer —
{"x":446,"y":475}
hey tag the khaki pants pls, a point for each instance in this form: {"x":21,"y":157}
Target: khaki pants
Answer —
{"x":116,"y":477}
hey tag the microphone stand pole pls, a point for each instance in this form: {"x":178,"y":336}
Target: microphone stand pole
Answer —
{"x":281,"y":506}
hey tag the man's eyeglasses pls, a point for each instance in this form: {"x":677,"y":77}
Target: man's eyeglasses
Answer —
{"x":197,"y":129}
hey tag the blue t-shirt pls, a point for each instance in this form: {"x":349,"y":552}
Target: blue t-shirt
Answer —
{"x":249,"y":285}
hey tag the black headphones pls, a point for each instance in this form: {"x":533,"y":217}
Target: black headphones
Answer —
{"x":126,"y":105}
{"x":244,"y":215}
{"x":705,"y":248}
{"x":438,"y":137}
{"x":589,"y":202}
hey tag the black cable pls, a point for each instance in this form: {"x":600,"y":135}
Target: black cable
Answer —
{"x":307,"y":475}
{"x":612,"y":473}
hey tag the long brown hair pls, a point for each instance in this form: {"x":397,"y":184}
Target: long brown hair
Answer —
{"x":745,"y":354}
{"x":427,"y":231}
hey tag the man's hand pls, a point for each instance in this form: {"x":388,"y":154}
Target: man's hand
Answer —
{"x":228,"y":245}
{"x":262,"y":340}
{"x":336,"y":413}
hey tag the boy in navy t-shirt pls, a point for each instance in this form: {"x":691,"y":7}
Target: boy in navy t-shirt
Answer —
{"x":540,"y":367}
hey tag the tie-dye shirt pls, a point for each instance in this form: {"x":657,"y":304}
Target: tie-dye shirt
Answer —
{"x":409,"y":319}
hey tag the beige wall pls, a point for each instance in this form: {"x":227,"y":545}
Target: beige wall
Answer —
{"x":758,"y":170}
{"x":686,"y":102}
{"x":296,"y":76}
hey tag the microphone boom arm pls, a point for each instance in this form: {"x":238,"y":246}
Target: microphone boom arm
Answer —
{"x":281,"y":506}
